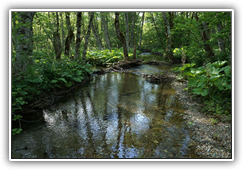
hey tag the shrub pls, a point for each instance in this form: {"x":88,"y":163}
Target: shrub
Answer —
{"x":106,"y":57}
{"x":212,"y":82}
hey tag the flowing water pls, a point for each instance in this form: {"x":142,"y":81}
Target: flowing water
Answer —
{"x":116,"y":115}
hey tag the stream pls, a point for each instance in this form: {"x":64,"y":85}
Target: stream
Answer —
{"x":115,"y":115}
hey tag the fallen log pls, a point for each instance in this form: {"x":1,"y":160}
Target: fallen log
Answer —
{"x":120,"y":65}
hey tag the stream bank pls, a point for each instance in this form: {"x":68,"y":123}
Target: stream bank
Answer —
{"x":211,"y":140}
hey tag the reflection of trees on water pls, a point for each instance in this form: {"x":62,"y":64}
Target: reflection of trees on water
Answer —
{"x":116,"y":116}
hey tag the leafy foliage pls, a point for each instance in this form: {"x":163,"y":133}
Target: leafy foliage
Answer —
{"x":45,"y":75}
{"x":106,"y":57}
{"x":213,"y":82}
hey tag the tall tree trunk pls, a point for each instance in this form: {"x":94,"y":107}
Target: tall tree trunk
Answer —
{"x":106,"y":32}
{"x":168,"y":35}
{"x":57,"y":40}
{"x":132,"y":29}
{"x":171,"y":18}
{"x":107,"y":28}
{"x":205,"y":36}
{"x":91,"y":14}
{"x":120,"y":36}
{"x":78,"y":38}
{"x":24,"y":45}
{"x":160,"y":40}
{"x":96,"y":36}
{"x":63,"y":34}
{"x":70,"y":35}
{"x":221,"y":42}
{"x":141,"y":33}
{"x":127,"y":30}
{"x":134,"y":50}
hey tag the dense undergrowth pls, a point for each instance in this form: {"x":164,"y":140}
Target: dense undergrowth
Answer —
{"x":42,"y":77}
{"x":106,"y":57}
{"x":212,"y":82}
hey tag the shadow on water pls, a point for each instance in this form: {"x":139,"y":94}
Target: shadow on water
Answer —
{"x":117,"y":115}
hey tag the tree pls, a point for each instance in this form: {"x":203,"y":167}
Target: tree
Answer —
{"x":156,"y":29}
{"x":141,"y":33}
{"x":24,"y":44}
{"x":57,"y":40}
{"x":95,"y":32}
{"x":63,"y":34}
{"x":205,"y":36}
{"x":78,"y":38}
{"x":105,"y":28}
{"x":133,"y":29}
{"x":127,"y":30}
{"x":91,"y":14}
{"x":221,"y":43}
{"x":120,"y":36}
{"x":168,"y":35}
{"x":70,"y":35}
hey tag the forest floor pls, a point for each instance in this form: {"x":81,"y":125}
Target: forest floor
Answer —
{"x":212,"y":140}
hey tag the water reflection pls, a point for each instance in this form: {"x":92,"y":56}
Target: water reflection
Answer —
{"x":113,"y":116}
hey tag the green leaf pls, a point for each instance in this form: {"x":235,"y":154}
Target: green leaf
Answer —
{"x":54,"y":81}
{"x":227,"y":70}
{"x":79,"y":72}
{"x":192,"y":82}
{"x":222,"y":84}
{"x":77,"y":79}
{"x":200,"y":91}
{"x":213,"y":78}
{"x":23,"y":92}
{"x":197,"y":71}
{"x":63,"y":79}
{"x":36,"y":80}
{"x":16,"y":131}
{"x":68,"y":84}
{"x":188,"y":74}
{"x":201,"y":80}
{"x":219,"y":63}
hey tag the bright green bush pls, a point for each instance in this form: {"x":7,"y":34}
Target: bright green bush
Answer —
{"x":212,"y":82}
{"x":106,"y":57}
{"x":43,"y":76}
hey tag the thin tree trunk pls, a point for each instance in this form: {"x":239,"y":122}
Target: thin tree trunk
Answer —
{"x":221,"y":42}
{"x":168,"y":48}
{"x":63,"y":34}
{"x":132,"y":29}
{"x":105,"y":28}
{"x":134,"y":50}
{"x":78,"y":36}
{"x":91,"y":14}
{"x":161,"y":42}
{"x":57,"y":40}
{"x":70,"y":35}
{"x":127,"y":30}
{"x":141,"y":33}
{"x":24,"y":44}
{"x":96,"y":36}
{"x":120,"y":36}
